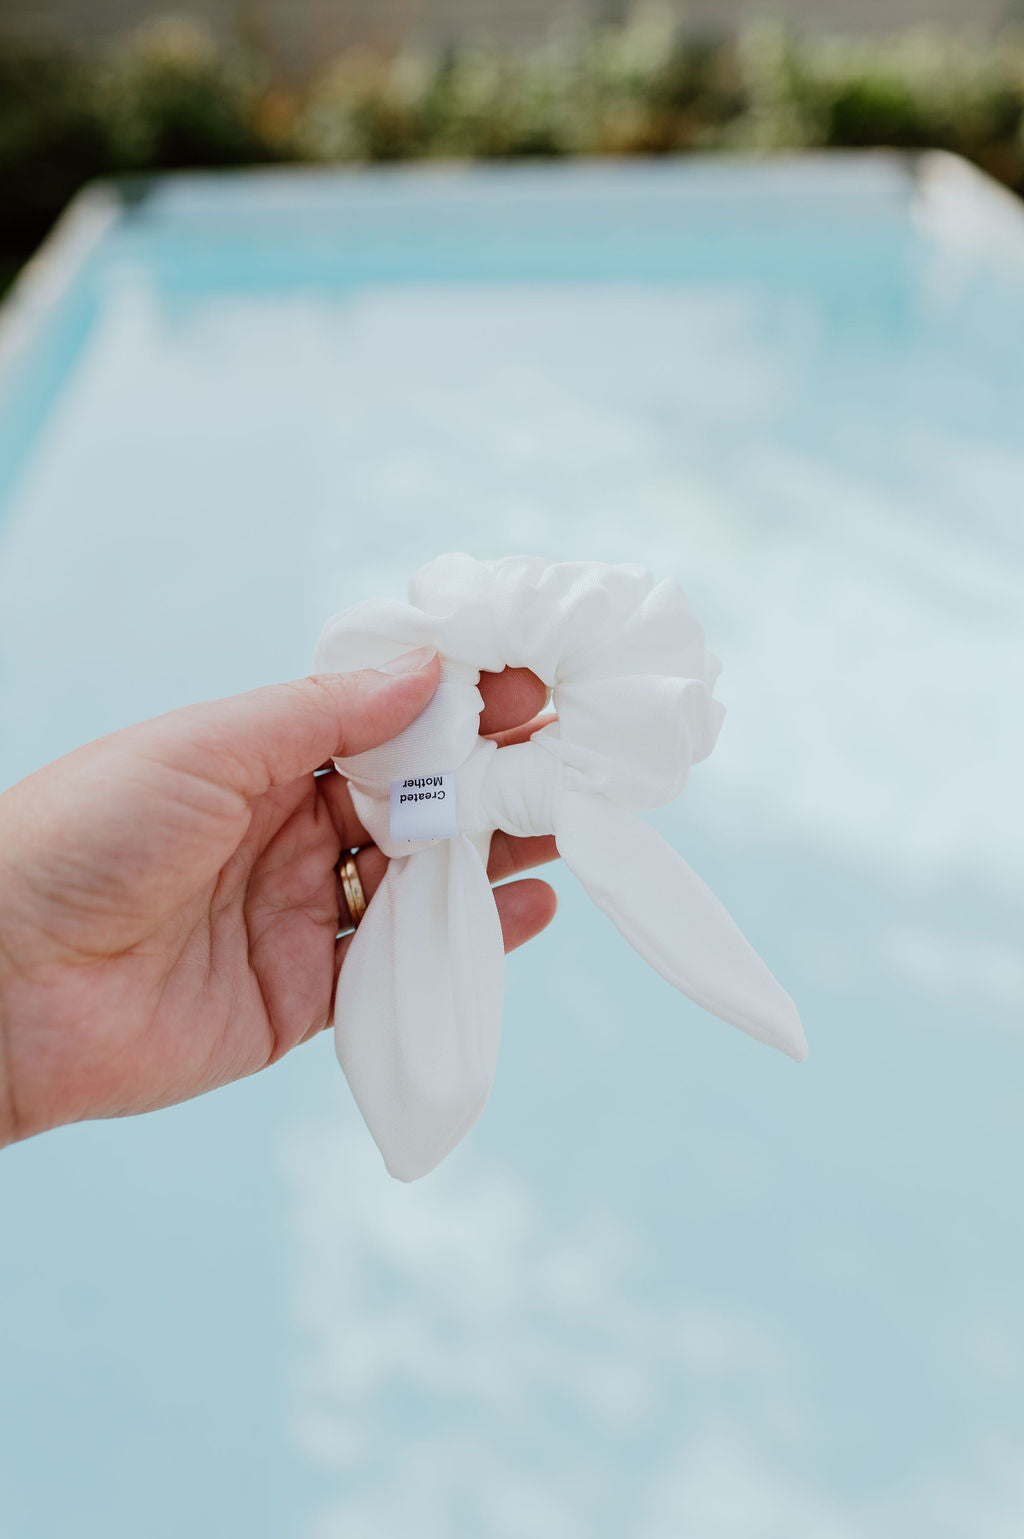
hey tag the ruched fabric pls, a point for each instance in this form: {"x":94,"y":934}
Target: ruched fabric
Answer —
{"x":418,"y":1010}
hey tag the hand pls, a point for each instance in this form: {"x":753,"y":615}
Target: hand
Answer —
{"x":169,"y":908}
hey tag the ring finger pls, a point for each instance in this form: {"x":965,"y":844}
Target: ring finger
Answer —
{"x":508,"y":857}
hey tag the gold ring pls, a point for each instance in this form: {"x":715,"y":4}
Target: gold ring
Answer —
{"x":352,"y":887}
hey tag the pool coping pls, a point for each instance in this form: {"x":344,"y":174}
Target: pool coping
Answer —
{"x":47,"y":276}
{"x":965,"y":209}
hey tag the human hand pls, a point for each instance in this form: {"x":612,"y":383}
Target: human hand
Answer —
{"x":169,"y":908}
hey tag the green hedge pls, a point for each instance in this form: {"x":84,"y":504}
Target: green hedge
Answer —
{"x":168,"y":98}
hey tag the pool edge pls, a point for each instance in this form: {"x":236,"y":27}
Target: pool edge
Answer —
{"x":47,"y":276}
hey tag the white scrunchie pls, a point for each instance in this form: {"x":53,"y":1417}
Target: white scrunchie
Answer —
{"x":418,"y":1012}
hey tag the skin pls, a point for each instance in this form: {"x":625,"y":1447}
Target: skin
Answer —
{"x":169,"y":908}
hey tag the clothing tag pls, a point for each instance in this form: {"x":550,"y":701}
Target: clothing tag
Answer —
{"x":424,"y":808}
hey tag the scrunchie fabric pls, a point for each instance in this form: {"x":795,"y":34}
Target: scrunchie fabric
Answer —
{"x":419,"y":1001}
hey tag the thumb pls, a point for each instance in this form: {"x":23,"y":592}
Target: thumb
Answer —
{"x":274,"y":735}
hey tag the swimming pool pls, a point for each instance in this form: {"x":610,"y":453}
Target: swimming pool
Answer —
{"x":672,"y":1286}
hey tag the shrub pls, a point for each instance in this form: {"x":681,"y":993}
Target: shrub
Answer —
{"x":167,"y":97}
{"x":52,"y":139}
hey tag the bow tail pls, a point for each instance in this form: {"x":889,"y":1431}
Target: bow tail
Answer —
{"x":673,"y":919}
{"x":418,"y":1008}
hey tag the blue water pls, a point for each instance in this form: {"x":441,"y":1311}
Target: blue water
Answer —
{"x":672,"y":1286}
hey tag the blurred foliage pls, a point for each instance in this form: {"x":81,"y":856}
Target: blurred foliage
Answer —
{"x":168,"y":98}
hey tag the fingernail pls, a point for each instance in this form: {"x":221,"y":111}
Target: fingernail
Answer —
{"x":409,"y":662}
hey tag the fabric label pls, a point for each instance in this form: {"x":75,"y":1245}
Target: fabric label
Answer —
{"x":424,"y":808}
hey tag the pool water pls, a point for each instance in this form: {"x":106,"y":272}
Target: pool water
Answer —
{"x":672,"y":1286}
